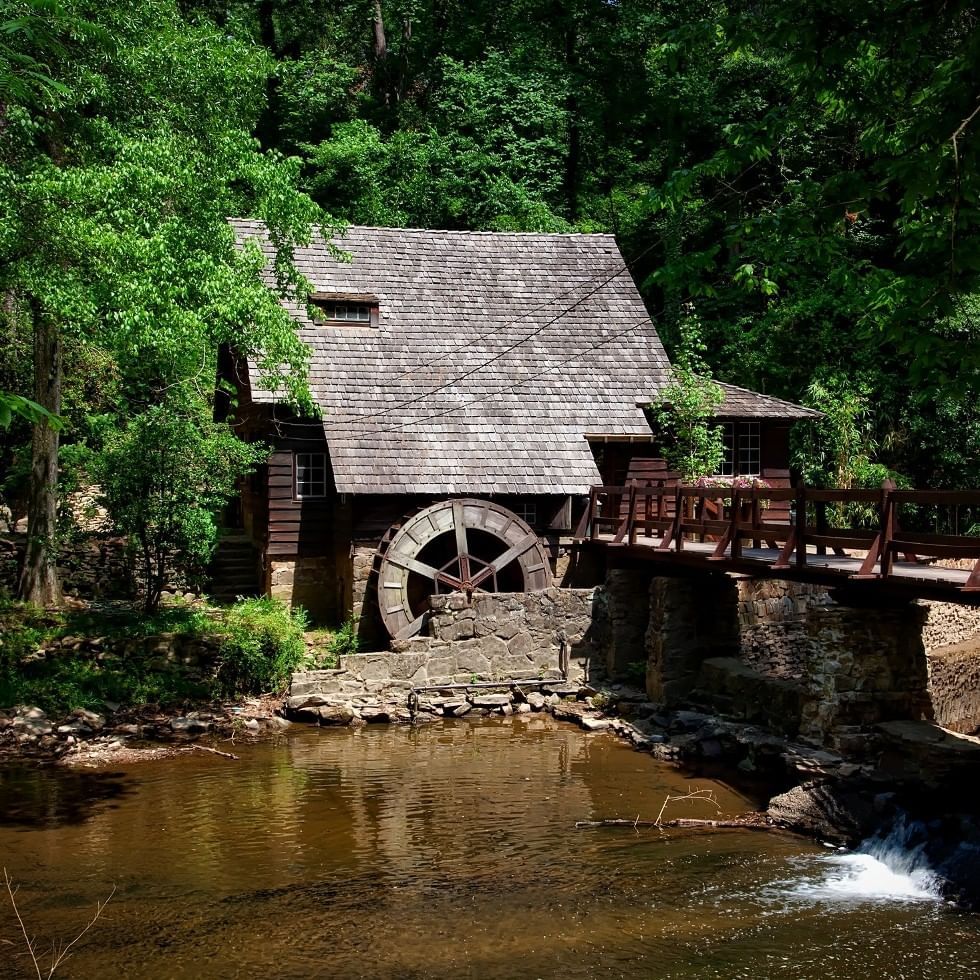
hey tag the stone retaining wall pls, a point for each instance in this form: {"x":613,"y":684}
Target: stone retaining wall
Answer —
{"x":865,"y":666}
{"x":96,"y":566}
{"x":954,"y":686}
{"x":502,"y":637}
{"x":948,"y":623}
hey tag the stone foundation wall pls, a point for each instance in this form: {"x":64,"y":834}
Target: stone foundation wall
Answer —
{"x":502,"y":637}
{"x":96,"y":566}
{"x":954,"y":686}
{"x":691,"y":620}
{"x":307,"y":582}
{"x":627,"y":611}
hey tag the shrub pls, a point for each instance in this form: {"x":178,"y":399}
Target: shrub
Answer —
{"x":261,"y":645}
{"x":345,"y":640}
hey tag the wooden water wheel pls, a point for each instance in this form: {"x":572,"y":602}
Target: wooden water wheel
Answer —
{"x":467,"y":545}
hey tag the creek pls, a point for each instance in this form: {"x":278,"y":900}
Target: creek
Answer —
{"x":449,"y":850}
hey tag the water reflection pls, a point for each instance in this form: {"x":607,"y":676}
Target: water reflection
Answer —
{"x":447,"y":851}
{"x":34,"y":800}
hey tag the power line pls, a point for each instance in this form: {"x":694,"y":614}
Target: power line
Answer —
{"x":525,"y":380}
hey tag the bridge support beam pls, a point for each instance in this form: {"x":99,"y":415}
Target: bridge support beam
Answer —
{"x":866,"y":664}
{"x":690,"y":620}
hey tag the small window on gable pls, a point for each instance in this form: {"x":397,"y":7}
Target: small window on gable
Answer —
{"x":345,"y":309}
{"x":311,"y":475}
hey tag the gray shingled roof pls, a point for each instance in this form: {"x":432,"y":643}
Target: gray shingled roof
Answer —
{"x":495,"y":354}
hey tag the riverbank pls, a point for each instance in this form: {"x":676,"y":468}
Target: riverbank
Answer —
{"x":124,"y":735}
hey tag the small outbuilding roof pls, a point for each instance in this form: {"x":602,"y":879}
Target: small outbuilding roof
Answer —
{"x":492,"y":356}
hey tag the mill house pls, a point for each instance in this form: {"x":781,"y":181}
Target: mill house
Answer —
{"x":472,"y":387}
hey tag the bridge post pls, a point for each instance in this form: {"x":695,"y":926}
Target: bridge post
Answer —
{"x":866,"y":664}
{"x":691,"y":619}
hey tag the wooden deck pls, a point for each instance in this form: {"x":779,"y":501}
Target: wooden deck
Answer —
{"x":787,"y":533}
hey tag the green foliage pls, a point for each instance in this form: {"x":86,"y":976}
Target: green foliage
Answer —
{"x":163,"y":478}
{"x":345,"y":640}
{"x":262,"y":644}
{"x":838,"y":449}
{"x":11,"y":405}
{"x":684,"y":409}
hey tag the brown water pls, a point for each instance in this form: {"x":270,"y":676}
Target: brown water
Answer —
{"x":447,"y":851}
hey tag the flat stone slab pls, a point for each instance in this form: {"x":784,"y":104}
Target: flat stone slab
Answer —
{"x":490,"y":700}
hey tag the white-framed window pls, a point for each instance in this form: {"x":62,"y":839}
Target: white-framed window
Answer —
{"x":743,"y":449}
{"x":749,"y":449}
{"x":331,"y":311}
{"x":311,"y":474}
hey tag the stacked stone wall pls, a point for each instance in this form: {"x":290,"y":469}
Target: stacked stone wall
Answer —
{"x":627,"y":611}
{"x":948,"y":623}
{"x":501,"y":637}
{"x":691,"y":620}
{"x":307,"y":582}
{"x":772,"y":631}
{"x":95,"y":566}
{"x":865,"y":666}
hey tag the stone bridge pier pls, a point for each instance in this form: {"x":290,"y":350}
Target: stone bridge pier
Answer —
{"x":865,"y":665}
{"x":856,"y":665}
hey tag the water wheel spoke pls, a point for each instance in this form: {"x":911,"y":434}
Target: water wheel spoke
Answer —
{"x":459,"y":523}
{"x":502,"y":561}
{"x":413,"y":565}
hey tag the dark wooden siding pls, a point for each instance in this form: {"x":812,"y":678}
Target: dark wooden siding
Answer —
{"x":297,"y":527}
{"x":774,"y":446}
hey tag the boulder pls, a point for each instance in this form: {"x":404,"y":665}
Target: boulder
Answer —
{"x":335,"y":714}
{"x":837,"y":811}
{"x":536,"y":700}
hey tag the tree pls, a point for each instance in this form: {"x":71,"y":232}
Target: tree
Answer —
{"x":115,"y":188}
{"x":684,"y":409}
{"x":163,"y":478}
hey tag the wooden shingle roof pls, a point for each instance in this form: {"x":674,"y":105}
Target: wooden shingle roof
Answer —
{"x":494,"y":355}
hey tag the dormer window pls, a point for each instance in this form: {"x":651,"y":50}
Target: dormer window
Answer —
{"x":344,"y":309}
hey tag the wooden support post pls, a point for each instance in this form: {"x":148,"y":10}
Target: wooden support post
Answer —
{"x":731,"y":536}
{"x":628,"y":527}
{"x":679,"y":519}
{"x":887,"y":534}
{"x":800,"y":528}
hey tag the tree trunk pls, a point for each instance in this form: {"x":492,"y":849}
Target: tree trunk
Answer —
{"x":39,"y":581}
{"x":572,"y":161}
{"x":380,"y":41}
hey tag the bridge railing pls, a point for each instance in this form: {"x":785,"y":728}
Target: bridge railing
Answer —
{"x":793,"y":520}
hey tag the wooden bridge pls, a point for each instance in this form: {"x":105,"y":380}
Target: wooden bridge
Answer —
{"x":797,"y":533}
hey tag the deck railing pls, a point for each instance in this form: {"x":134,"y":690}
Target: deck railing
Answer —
{"x":792,"y":521}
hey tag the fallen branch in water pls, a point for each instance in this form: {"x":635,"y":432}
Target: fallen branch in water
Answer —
{"x":59,"y":951}
{"x":749,"y":821}
{"x":207,"y":748}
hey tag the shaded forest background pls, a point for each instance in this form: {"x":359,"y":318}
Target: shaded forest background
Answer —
{"x":787,"y":167}
{"x":803,"y":175}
